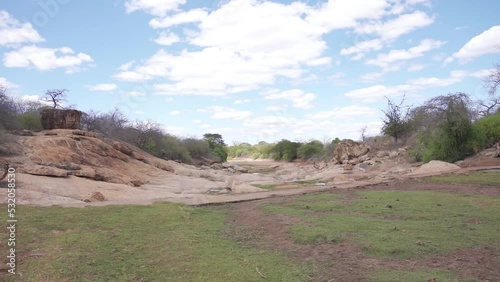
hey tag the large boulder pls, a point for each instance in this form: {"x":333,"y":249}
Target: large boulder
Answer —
{"x":60,"y":119}
{"x":348,"y":150}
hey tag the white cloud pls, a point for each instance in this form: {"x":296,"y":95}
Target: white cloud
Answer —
{"x":233,"y":56}
{"x":343,"y":113}
{"x":299,"y":98}
{"x":228,"y":54}
{"x":385,"y":60}
{"x":45,"y":58}
{"x":219,"y":112}
{"x":394,"y":28}
{"x":242,"y":101}
{"x":167,"y":39}
{"x":362,"y":47}
{"x":415,"y":67}
{"x":5,"y":83}
{"x":153,"y":7}
{"x":374,"y":93}
{"x":485,"y":43}
{"x":102,"y":87}
{"x":191,"y":16}
{"x":372,"y":76}
{"x":132,"y":93}
{"x":276,"y":108}
{"x":126,"y":66}
{"x":481,"y":73}
{"x":338,"y":14}
{"x":174,"y":113}
{"x":14,"y":32}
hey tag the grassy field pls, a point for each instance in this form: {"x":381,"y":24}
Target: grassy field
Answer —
{"x":401,"y":224}
{"x":396,"y":225}
{"x":162,"y":242}
{"x":483,"y":178}
{"x":173,"y":242}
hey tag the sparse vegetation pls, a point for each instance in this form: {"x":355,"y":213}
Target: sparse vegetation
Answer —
{"x":479,"y":177}
{"x":395,"y":121}
{"x":285,"y":150}
{"x":396,"y":224}
{"x":114,"y":244}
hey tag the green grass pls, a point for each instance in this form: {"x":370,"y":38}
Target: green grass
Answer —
{"x":420,"y":275}
{"x":161,"y":242}
{"x":397,"y":224}
{"x":479,"y":177}
{"x":269,"y":187}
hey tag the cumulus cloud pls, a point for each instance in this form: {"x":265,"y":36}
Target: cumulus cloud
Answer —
{"x":299,"y":98}
{"x":363,"y":46}
{"x":345,"y":113}
{"x":14,"y":32}
{"x":220,"y":112}
{"x":153,"y":7}
{"x":174,"y":113}
{"x":102,"y":87}
{"x":167,"y":39}
{"x":233,"y":56}
{"x":376,"y":92}
{"x":45,"y":58}
{"x":228,"y":53}
{"x":337,"y":14}
{"x":191,"y":16}
{"x":5,"y":83}
{"x":394,"y":28}
{"x":482,"y":44}
{"x":126,"y":66}
{"x":386,"y":60}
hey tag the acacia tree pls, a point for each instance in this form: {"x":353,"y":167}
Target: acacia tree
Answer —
{"x":492,"y":104}
{"x":56,"y":97}
{"x":395,"y":121}
{"x":217,"y":144}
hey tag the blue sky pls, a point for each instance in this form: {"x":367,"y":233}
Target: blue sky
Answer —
{"x":249,"y":70}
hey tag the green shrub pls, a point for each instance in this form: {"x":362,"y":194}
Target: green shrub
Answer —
{"x":286,"y":150}
{"x":489,"y":128}
{"x":312,"y":149}
{"x":31,"y":121}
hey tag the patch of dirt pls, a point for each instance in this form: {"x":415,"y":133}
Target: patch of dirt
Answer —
{"x":330,"y":262}
{"x":250,"y":225}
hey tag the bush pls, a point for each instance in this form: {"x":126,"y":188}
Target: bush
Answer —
{"x":286,"y":150}
{"x":312,"y":149}
{"x":197,"y":148}
{"x":489,"y":128}
{"x":31,"y":121}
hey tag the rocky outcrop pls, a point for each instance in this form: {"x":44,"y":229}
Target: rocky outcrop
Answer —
{"x":44,"y":170}
{"x":349,"y":151}
{"x":60,"y":119}
{"x":435,"y":167}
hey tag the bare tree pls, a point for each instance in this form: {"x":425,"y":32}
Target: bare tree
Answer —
{"x":56,"y":96}
{"x":362,"y":131}
{"x":493,"y":80}
{"x":396,"y":119}
{"x":492,"y":104}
